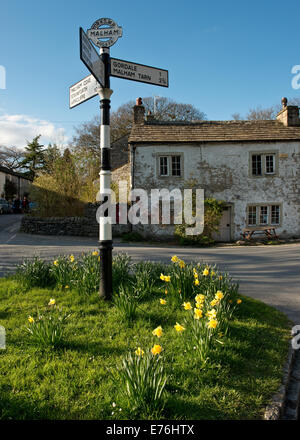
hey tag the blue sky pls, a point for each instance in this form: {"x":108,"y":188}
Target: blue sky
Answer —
{"x":222,"y":57}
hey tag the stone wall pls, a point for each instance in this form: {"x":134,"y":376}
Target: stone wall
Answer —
{"x":86,"y":226}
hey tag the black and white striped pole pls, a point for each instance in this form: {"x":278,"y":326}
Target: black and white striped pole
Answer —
{"x":105,"y":226}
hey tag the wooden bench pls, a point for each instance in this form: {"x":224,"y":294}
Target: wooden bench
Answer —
{"x":269,"y":231}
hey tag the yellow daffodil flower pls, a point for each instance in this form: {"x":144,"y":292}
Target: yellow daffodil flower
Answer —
{"x":220,"y":277}
{"x":139,"y":352}
{"x":187,"y":306}
{"x":158,"y":332}
{"x":239,"y":301}
{"x":67,"y":287}
{"x":200,"y":298}
{"x":72,"y":258}
{"x":55,"y":263}
{"x":156,"y":349}
{"x":163,"y":301}
{"x":174,"y":259}
{"x":211,"y":314}
{"x":199,"y":305}
{"x":181,"y":264}
{"x":30,"y":319}
{"x":205,"y":272}
{"x":214,"y":302}
{"x":95,"y":254}
{"x":212,"y":323}
{"x":166,"y":292}
{"x":196,"y":282}
{"x":51,"y":302}
{"x":219,"y":294}
{"x":179,"y":328}
{"x":198,"y":313}
{"x":213,"y":273}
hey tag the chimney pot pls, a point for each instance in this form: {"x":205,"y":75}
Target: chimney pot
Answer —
{"x":139,"y":112}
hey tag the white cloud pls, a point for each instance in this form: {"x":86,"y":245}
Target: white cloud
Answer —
{"x":16,"y":130}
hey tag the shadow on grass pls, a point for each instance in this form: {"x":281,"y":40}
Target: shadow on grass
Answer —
{"x":94,"y":348}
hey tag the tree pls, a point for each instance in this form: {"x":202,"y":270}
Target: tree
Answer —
{"x":10,"y":190}
{"x":11,"y":157}
{"x":259,"y":113}
{"x":87,"y":138}
{"x":34,"y":157}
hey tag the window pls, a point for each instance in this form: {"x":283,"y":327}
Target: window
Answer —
{"x":176,"y":171}
{"x":264,"y":215}
{"x":256,"y":165}
{"x":163,"y":166}
{"x":275,"y":215}
{"x":263,"y":164}
{"x":170,"y":166}
{"x":270,"y":164}
{"x":252,"y":215}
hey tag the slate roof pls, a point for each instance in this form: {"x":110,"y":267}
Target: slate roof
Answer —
{"x":213,"y":131}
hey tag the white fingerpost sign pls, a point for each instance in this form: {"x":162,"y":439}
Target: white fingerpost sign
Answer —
{"x":90,"y":58}
{"x":139,"y":72}
{"x":83,"y":90}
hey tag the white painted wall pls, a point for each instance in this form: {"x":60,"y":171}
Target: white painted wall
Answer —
{"x":222,"y":169}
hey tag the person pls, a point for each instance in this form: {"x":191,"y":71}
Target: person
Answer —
{"x":16,"y":206}
{"x":25,"y":204}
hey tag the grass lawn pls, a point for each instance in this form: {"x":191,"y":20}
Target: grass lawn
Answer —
{"x":78,"y":380}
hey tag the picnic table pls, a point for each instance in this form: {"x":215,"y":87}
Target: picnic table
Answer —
{"x":269,"y":231}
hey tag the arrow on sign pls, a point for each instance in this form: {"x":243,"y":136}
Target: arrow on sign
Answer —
{"x":139,"y":72}
{"x":90,"y":57}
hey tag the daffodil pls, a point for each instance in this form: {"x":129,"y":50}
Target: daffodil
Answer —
{"x":239,"y":301}
{"x":196,"y":282}
{"x":156,"y":349}
{"x":139,"y":352}
{"x":51,"y":302}
{"x":199,"y":305}
{"x":72,"y":258}
{"x":95,"y":254}
{"x":219,"y":294}
{"x":220,"y":277}
{"x":167,"y":278}
{"x":212,"y":323}
{"x":55,"y":263}
{"x":158,"y":332}
{"x":174,"y":259}
{"x":198,"y":313}
{"x":181,"y":264}
{"x":179,"y":328}
{"x":67,"y":287}
{"x":211,"y":314}
{"x":205,"y":272}
{"x":214,"y":302}
{"x":166,"y":291}
{"x":213,"y":273}
{"x":163,"y":301}
{"x":30,"y":319}
{"x":187,"y":306}
{"x":200,"y":298}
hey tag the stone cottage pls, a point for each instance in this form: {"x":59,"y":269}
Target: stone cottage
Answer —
{"x":22,"y":183}
{"x":253,"y":166}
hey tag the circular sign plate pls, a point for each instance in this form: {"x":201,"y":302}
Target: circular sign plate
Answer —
{"x":104,"y":32}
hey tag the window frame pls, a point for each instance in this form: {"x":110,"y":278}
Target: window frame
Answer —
{"x":264,"y":155}
{"x":258,"y":207}
{"x":169,"y":157}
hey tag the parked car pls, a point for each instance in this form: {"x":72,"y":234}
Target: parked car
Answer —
{"x":4,"y":206}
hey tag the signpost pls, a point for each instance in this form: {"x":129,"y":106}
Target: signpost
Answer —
{"x":139,"y":72}
{"x":90,"y":58}
{"x":104,"y":33}
{"x":82,"y":91}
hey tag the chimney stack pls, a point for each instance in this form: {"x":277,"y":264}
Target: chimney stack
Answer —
{"x":289,"y":114}
{"x":139,"y":112}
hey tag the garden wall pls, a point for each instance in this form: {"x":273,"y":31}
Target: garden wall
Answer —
{"x":85,"y":226}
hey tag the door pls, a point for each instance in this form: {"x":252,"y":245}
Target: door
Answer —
{"x":224,"y":233}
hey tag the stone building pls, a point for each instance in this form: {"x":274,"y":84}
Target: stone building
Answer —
{"x":253,"y":166}
{"x":21,"y":182}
